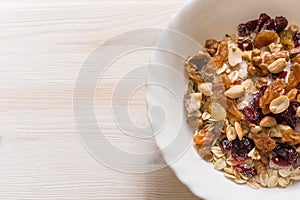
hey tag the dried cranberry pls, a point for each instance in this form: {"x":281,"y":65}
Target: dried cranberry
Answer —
{"x":225,"y":145}
{"x":241,"y":148}
{"x":278,"y":160}
{"x":253,"y":112}
{"x":255,"y":101}
{"x":253,"y":115}
{"x":242,"y":29}
{"x":252,"y":24}
{"x":286,"y":152}
{"x":246,"y":170}
{"x":296,"y":164}
{"x":288,"y":116}
{"x":296,"y":39}
{"x":280,"y":75}
{"x":263,"y":18}
{"x":280,"y":23}
{"x":245,"y":45}
{"x":269,"y":25}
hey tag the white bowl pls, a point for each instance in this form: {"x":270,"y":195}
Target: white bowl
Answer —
{"x":200,"y":20}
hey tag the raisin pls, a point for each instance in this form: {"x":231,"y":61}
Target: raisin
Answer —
{"x":252,"y":114}
{"x":296,"y":39}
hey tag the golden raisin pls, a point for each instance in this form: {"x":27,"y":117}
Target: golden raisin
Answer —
{"x":264,"y":38}
{"x":226,"y":81}
{"x":290,"y":137}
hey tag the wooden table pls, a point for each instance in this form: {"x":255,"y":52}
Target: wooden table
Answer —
{"x":42,"y":48}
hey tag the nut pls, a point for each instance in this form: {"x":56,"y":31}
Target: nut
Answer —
{"x":292,"y":94}
{"x":279,"y":104}
{"x":233,"y":76}
{"x":238,"y":130}
{"x":268,"y":122}
{"x":277,"y":66}
{"x":230,"y":133}
{"x":261,"y":82}
{"x":205,"y":88}
{"x":234,"y":55}
{"x":235,"y":92}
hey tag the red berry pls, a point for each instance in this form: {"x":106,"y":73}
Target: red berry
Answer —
{"x":269,"y":25}
{"x":263,"y":18}
{"x":285,"y":153}
{"x":241,"y":148}
{"x":246,"y":170}
{"x":280,"y":23}
{"x":225,"y":145}
{"x":245,"y":45}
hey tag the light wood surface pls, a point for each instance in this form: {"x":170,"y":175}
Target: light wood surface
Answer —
{"x":42,"y":47}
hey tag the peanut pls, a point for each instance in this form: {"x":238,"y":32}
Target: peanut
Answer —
{"x":268,"y":122}
{"x":277,"y":66}
{"x":235,"y":92}
{"x":279,"y":104}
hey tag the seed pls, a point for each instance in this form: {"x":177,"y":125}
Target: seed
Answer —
{"x":254,"y":154}
{"x":205,"y":88}
{"x":256,"y":129}
{"x":292,"y":94}
{"x":277,"y":66}
{"x":268,"y":122}
{"x":242,"y":105}
{"x":279,"y":104}
{"x":234,"y":55}
{"x":235,"y":92}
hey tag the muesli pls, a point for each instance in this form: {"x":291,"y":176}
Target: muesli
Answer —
{"x":243,"y":99}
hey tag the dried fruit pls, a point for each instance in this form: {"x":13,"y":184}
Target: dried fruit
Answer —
{"x":264,"y":142}
{"x":217,"y":111}
{"x":280,"y":23}
{"x":286,"y":155}
{"x":225,"y":145}
{"x":273,"y":91}
{"x":241,"y":148}
{"x":286,"y":39}
{"x":264,"y":38}
{"x":245,"y":45}
{"x":218,"y":60}
{"x":246,"y":170}
{"x":290,"y":137}
{"x":226,"y":81}
{"x":262,"y":20}
{"x":294,"y":77}
{"x":232,"y":110}
{"x":288,"y":117}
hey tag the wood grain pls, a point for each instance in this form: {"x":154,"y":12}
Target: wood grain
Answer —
{"x":42,"y":47}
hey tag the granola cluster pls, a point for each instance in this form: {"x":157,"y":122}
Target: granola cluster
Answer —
{"x":243,"y":100}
